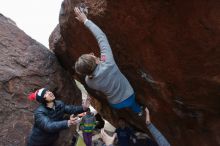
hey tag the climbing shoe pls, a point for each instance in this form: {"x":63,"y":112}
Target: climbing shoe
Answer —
{"x":141,"y":112}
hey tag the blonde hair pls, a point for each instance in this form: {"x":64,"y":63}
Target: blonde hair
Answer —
{"x":85,"y":65}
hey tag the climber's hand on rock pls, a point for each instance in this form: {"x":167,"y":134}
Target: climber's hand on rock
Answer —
{"x":80,"y":15}
{"x":147,"y":116}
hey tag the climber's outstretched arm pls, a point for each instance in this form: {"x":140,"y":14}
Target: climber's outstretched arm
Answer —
{"x":159,"y":138}
{"x":105,"y":49}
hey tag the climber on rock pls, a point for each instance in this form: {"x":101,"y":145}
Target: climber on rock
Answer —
{"x":103,"y":74}
{"x":49,"y":117}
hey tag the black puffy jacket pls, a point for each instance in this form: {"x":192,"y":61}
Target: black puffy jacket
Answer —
{"x":49,"y":122}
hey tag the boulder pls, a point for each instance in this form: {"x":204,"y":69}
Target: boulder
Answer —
{"x":26,"y":65}
{"x":168,"y":50}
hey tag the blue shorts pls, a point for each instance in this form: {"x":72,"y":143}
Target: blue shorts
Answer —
{"x":128,"y":103}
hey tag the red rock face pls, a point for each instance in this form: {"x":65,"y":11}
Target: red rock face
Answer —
{"x":176,"y":43}
{"x":26,"y":65}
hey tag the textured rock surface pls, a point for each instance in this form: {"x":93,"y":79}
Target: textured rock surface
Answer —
{"x":177,"y":43}
{"x":26,"y":65}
